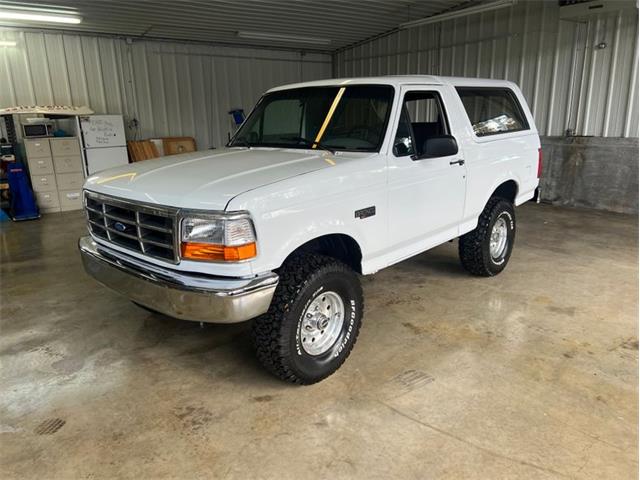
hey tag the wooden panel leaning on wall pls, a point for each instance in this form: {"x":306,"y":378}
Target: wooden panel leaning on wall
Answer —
{"x":142,"y":150}
{"x":147,"y":149}
{"x":175,"y":145}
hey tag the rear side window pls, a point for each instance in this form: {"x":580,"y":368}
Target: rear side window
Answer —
{"x":492,"y":110}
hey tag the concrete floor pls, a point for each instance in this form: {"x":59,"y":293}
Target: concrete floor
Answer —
{"x":532,"y":374}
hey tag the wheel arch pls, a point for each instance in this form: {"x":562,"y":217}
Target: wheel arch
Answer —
{"x":340,"y":246}
{"x":508,"y":190}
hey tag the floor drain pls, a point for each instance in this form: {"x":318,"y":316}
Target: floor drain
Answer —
{"x":412,"y":379}
{"x":49,"y":427}
{"x":405,"y":382}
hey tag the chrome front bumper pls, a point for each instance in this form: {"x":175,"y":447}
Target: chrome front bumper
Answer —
{"x":187,"y":296}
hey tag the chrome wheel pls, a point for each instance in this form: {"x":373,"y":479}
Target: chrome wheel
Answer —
{"x":499,"y":238}
{"x":321,"y":323}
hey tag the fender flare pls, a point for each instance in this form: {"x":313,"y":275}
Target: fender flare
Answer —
{"x":496,"y":185}
{"x":318,"y":236}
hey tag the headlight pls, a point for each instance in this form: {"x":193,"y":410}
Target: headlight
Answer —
{"x":217,"y":238}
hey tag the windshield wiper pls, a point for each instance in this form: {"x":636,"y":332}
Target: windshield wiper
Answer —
{"x":309,"y":143}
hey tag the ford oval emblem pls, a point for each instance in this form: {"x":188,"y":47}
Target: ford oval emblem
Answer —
{"x":119,"y":226}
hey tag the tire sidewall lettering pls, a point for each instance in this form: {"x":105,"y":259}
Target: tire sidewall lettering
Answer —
{"x":510,"y":220}
{"x":347,"y":337}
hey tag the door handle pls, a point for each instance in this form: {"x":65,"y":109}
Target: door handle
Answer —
{"x":458,"y":162}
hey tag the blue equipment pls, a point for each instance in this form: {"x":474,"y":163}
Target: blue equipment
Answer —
{"x":238,"y":116}
{"x":23,"y":205}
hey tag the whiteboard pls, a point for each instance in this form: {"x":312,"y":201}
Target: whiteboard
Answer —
{"x":103,"y":131}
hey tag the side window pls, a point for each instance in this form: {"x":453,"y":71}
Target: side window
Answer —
{"x":492,"y":111}
{"x":422,"y":117}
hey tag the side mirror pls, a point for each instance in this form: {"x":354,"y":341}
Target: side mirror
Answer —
{"x":440,"y":146}
{"x":401,"y":149}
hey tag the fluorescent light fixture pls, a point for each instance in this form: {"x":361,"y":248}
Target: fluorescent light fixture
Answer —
{"x":485,"y":7}
{"x":276,"y":37}
{"x":7,"y":43}
{"x":35,"y":16}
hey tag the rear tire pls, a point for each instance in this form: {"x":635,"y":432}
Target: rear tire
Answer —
{"x":486,"y":250}
{"x":313,"y":321}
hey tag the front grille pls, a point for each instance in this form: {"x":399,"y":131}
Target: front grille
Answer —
{"x":144,"y":229}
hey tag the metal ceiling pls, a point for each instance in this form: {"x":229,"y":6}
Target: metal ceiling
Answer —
{"x":343,"y":22}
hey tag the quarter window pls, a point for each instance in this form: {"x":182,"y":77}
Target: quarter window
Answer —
{"x":492,"y":111}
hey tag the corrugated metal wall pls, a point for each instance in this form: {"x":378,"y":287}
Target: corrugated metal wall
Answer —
{"x":568,"y":82}
{"x":173,"y":89}
{"x":187,"y":89}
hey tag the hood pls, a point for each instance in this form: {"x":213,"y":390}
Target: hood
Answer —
{"x":206,"y":180}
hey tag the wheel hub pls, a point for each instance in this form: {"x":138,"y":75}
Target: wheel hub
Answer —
{"x":498,"y":239}
{"x":322,"y":323}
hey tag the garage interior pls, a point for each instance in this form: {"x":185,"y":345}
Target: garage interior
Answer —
{"x":529,"y":374}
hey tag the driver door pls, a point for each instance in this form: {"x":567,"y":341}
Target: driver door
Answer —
{"x":426,"y":195}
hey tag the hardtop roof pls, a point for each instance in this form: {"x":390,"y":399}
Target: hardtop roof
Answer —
{"x":400,"y":80}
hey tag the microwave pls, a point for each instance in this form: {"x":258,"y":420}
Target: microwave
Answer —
{"x":38,"y":129}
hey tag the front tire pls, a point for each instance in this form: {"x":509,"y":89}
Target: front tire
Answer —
{"x":486,"y":250}
{"x":313,"y":321}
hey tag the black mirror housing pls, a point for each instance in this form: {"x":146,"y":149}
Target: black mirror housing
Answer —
{"x":440,"y":146}
{"x":400,"y":150}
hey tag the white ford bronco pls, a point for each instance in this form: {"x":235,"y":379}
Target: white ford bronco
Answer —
{"x":323,"y":182}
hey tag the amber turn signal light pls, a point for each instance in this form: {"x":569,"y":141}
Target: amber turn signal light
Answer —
{"x":208,"y":251}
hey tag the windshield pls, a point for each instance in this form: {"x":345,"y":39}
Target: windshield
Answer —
{"x":350,"y":118}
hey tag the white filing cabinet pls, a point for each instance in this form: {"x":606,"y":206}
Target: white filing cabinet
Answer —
{"x":55,"y":166}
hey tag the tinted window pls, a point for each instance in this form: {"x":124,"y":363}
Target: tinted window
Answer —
{"x":360,"y":119}
{"x":345,"y":118}
{"x":492,"y":110}
{"x":281,"y":117}
{"x":421,"y":117}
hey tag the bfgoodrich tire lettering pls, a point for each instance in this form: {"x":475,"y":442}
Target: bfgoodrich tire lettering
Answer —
{"x":481,"y":254}
{"x":277,"y":334}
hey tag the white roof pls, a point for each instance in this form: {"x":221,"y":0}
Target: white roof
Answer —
{"x":399,"y":80}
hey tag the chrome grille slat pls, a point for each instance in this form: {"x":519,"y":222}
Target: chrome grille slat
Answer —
{"x":93,"y":222}
{"x":120,"y":219}
{"x":94,"y":210}
{"x":154,"y":227}
{"x":122,"y":234}
{"x":146,"y":229}
{"x":104,"y":220}
{"x":158,"y":244}
{"x":139,"y":232}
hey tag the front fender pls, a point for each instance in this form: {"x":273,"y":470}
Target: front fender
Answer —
{"x":290,"y":213}
{"x":281,"y":232}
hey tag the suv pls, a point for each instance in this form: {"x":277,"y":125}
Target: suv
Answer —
{"x":323,"y":182}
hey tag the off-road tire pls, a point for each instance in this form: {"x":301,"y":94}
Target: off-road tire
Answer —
{"x":275,"y":334}
{"x":473,"y":247}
